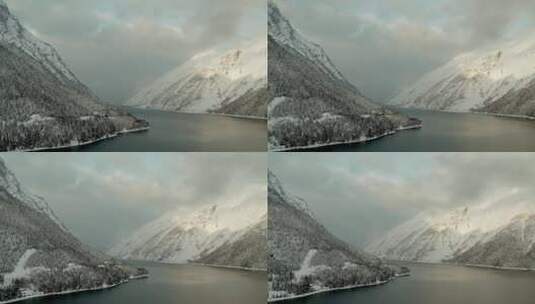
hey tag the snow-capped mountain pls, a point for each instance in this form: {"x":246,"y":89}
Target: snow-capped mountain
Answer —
{"x":476,"y":80}
{"x":39,"y":256}
{"x":249,"y":250}
{"x":43,"y":104}
{"x":9,"y":182}
{"x":310,"y":102}
{"x":464,"y":235}
{"x":182,"y":238}
{"x":305,"y":257}
{"x":226,"y":82}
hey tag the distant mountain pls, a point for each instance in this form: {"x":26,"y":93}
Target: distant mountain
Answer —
{"x":306,"y":258}
{"x":39,"y":255}
{"x":249,"y":250}
{"x":496,"y":79}
{"x":229,"y":82}
{"x":42,"y":103}
{"x":311,"y":102}
{"x":226,"y":236}
{"x":489,"y":235}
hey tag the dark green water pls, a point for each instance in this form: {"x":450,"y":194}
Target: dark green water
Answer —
{"x":441,"y":284}
{"x":180,"y":284}
{"x":453,"y":132}
{"x":178,"y":132}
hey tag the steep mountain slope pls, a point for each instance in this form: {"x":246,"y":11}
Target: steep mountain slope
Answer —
{"x":510,"y":246}
{"x":230,"y":82}
{"x":306,"y":258}
{"x":248,"y":251}
{"x":491,"y":79}
{"x":39,"y":256}
{"x":488,"y":234}
{"x":311,"y":103}
{"x":179,"y":238}
{"x":42,"y":103}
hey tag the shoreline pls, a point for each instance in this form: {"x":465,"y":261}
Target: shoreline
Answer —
{"x":379,"y":283}
{"x":483,"y":266}
{"x":61,"y":293}
{"x":356,"y":141}
{"x":86,"y":143}
{"x":207,"y":113}
{"x":230,"y":267}
{"x":523,"y":117}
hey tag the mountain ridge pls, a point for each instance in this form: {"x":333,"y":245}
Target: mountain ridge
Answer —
{"x":311,"y":103}
{"x":228,"y":81}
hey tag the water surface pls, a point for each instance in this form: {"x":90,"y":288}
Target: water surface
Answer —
{"x":181,"y":284}
{"x":453,"y":132}
{"x":180,"y":132}
{"x":441,"y":284}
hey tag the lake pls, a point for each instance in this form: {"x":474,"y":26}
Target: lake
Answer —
{"x":441,"y":284}
{"x":184,"y":284}
{"x":453,"y":132}
{"x":181,"y":132}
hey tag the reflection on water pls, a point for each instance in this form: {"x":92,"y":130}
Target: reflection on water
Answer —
{"x":179,"y":132}
{"x":184,"y":284}
{"x":454,"y":132}
{"x":441,"y":284}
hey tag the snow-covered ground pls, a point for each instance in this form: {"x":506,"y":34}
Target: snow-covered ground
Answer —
{"x":356,"y":141}
{"x":76,"y":143}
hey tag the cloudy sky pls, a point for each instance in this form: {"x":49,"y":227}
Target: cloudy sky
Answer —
{"x":102,"y":197}
{"x":116,"y":46}
{"x":360,"y":196}
{"x":384,"y":45}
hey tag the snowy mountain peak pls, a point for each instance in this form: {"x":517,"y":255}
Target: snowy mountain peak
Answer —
{"x":457,"y":220}
{"x":12,"y":33}
{"x":10,"y":184}
{"x":280,"y":29}
{"x":180,"y":237}
{"x":474,"y":79}
{"x":439,"y":236}
{"x":298,"y":203}
{"x":208,"y":81}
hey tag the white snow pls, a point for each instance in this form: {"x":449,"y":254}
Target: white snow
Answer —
{"x":21,"y":271}
{"x":179,"y":237}
{"x":280,"y":29}
{"x":11,"y":32}
{"x":453,"y":232}
{"x":9,"y":182}
{"x":307,"y":268}
{"x":208,"y":80}
{"x":474,"y":79}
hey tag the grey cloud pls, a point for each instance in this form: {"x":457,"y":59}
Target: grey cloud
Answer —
{"x":102,"y":197}
{"x":361,"y":196}
{"x":117,"y":46}
{"x":386,"y":45}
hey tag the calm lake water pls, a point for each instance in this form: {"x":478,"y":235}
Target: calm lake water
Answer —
{"x":179,"y":132}
{"x":177,"y":284}
{"x":441,"y":284}
{"x":453,"y":132}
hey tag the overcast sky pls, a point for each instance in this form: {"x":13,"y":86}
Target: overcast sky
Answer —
{"x":116,"y":46}
{"x":103,"y":197}
{"x":384,"y":45}
{"x":360,"y":196}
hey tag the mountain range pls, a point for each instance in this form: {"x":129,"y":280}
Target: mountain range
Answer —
{"x":305,"y":258}
{"x":42,"y":103}
{"x":220,"y":81}
{"x":498,"y":79}
{"x":490,"y":234}
{"x":310,"y":102}
{"x":39,"y":254}
{"x":233,"y":236}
